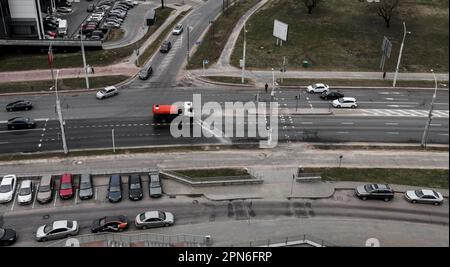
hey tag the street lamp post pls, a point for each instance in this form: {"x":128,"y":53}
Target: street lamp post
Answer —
{"x":58,"y":109}
{"x":400,"y":54}
{"x":430,"y":114}
{"x":84,"y":57}
{"x":243,"y":54}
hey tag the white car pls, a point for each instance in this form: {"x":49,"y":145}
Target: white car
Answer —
{"x":107,"y":92}
{"x":424,"y":196}
{"x":25,"y":195}
{"x":156,"y":218}
{"x":345,"y":102}
{"x":317,"y":88}
{"x":7,"y":188}
{"x":178,"y":29}
{"x":57,"y":230}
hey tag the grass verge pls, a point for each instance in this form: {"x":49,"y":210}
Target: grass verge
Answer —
{"x":63,"y":84}
{"x":216,"y":174}
{"x":151,"y":49}
{"x":380,"y":147}
{"x":15,"y":62}
{"x":227,"y":79}
{"x":115,"y":35}
{"x":344,"y":35}
{"x":343,"y":82}
{"x":414,"y":177}
{"x":218,"y":34}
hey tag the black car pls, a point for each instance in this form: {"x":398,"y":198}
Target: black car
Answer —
{"x":375,"y":191}
{"x":7,"y":237}
{"x":19,"y":105}
{"x":110,"y":224}
{"x":328,"y":95}
{"x":90,"y":8}
{"x":86,"y":190}
{"x":145,"y":73}
{"x":165,"y":47}
{"x":18,"y":123}
{"x":135,"y":187}
{"x":115,"y":188}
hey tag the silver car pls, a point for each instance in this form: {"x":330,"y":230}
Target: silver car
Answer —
{"x":25,"y":195}
{"x":57,"y":230}
{"x":426,"y":196}
{"x":156,"y":218}
{"x":154,"y":185}
{"x":107,"y":92}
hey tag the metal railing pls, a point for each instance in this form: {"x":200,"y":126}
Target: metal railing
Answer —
{"x":300,"y":240}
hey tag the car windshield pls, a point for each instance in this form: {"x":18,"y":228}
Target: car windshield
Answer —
{"x":102,"y":221}
{"x":419,"y":193}
{"x":25,"y":191}
{"x":5,"y":188}
{"x":103,"y":91}
{"x":178,"y":27}
{"x":44,"y":188}
{"x":161,"y":215}
{"x":369,"y":188}
{"x":48,"y":228}
{"x":142,"y":217}
{"x":85,"y":186}
{"x":66,"y":186}
{"x":155,"y":184}
{"x":114,"y":189}
{"x":341,"y":99}
{"x":69,"y":224}
{"x":135,"y":186}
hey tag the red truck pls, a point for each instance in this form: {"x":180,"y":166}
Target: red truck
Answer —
{"x":166,"y":113}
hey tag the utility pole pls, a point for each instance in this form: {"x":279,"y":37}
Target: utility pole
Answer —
{"x":61,"y":122}
{"x":243,"y":55}
{"x":283,"y":70}
{"x":430,"y":115}
{"x":84,"y":57}
{"x":400,"y":54}
{"x":113,"y":141}
{"x":50,"y":61}
{"x":188,"y":48}
{"x":273,"y":84}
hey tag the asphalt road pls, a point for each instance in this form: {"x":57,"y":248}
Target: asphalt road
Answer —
{"x":191,"y":212}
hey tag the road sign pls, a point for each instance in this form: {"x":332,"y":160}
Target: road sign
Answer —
{"x":280,"y":30}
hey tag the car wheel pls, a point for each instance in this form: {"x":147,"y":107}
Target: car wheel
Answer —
{"x":167,"y":224}
{"x":10,"y":109}
{"x":414,"y":201}
{"x":27,"y":108}
{"x":68,"y":235}
{"x":43,"y":239}
{"x":386,"y":199}
{"x":436,"y":203}
{"x":338,"y":106}
{"x":144,"y":227}
{"x":364,"y":198}
{"x":353,"y":106}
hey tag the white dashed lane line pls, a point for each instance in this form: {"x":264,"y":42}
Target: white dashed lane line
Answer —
{"x":392,"y":123}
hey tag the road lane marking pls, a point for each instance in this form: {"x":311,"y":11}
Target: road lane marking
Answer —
{"x":446,"y":134}
{"x":392,"y":132}
{"x":381,"y":102}
{"x":435,"y":125}
{"x":24,"y":130}
{"x":54,"y":202}
{"x":35,"y":195}
{"x":347,"y":123}
{"x":15,"y":194}
{"x":392,"y":123}
{"x":306,"y":122}
{"x":342,"y":132}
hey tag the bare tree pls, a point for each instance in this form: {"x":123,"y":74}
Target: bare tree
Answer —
{"x":311,"y":4}
{"x":385,"y":9}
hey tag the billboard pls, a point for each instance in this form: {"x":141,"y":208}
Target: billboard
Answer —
{"x":280,"y":30}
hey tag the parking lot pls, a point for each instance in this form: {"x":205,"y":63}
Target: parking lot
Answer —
{"x":100,"y":189}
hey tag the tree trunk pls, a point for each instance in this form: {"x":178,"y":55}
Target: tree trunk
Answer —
{"x":310,"y":8}
{"x":387,"y":23}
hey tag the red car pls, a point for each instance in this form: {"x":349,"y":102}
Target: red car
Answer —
{"x":66,"y":188}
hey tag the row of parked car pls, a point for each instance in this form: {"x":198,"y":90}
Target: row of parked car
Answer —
{"x":66,"y":190}
{"x":117,"y":13}
{"x":386,"y":193}
{"x":18,"y":123}
{"x":338,"y":100}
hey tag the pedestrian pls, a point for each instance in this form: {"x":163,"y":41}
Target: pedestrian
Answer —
{"x":384,"y":75}
{"x":92,"y":69}
{"x":266,"y":87}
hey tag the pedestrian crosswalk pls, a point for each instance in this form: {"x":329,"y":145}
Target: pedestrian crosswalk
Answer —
{"x":402,"y":113}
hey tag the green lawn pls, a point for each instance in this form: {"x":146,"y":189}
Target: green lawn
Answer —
{"x":15,"y":61}
{"x":63,"y":84}
{"x":345,"y":35}
{"x":203,"y":173}
{"x":217,"y":35}
{"x":414,"y":177}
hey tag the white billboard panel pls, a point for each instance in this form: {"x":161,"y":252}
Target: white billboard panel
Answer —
{"x":23,"y":9}
{"x":280,"y":30}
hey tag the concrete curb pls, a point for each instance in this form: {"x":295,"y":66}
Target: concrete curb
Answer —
{"x":168,"y":175}
{"x":220,"y":83}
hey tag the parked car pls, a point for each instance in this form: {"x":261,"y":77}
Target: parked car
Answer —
{"x":178,"y":29}
{"x":86,"y":191}
{"x":317,"y":88}
{"x":110,"y":24}
{"x":146,"y":73}
{"x":57,"y":230}
{"x":18,"y":123}
{"x":19,"y":105}
{"x":115,"y":189}
{"x":375,"y":191}
{"x":95,"y":38}
{"x":25,"y":195}
{"x":165,"y":47}
{"x":345,"y":102}
{"x":426,"y":196}
{"x":66,"y":187}
{"x":7,"y":188}
{"x":135,"y":187}
{"x":64,"y":9}
{"x":107,"y":92}
{"x":90,"y":8}
{"x":328,"y":95}
{"x":7,"y":237}
{"x":98,"y":33}
{"x":154,"y":185}
{"x":152,"y":219}
{"x":46,"y":189}
{"x":110,"y":224}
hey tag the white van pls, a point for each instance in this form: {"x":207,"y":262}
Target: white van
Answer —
{"x":62,"y":27}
